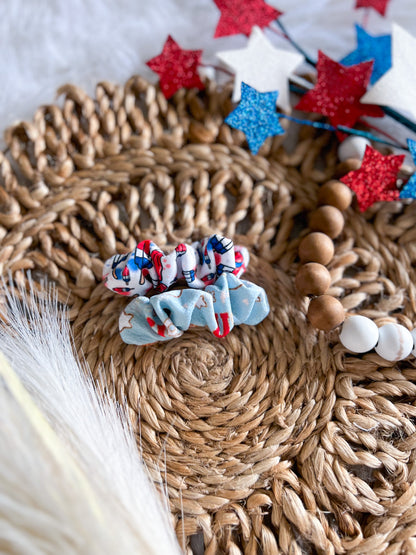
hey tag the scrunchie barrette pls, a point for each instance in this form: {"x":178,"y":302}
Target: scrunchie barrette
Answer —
{"x":229,"y":302}
{"x":148,"y":267}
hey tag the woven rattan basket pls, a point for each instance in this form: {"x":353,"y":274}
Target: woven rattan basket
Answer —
{"x":273,"y":439}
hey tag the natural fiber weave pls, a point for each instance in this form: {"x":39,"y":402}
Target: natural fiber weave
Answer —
{"x":273,"y":439}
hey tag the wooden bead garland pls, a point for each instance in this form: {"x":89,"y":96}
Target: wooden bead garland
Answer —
{"x":359,"y":334}
{"x":316,"y":250}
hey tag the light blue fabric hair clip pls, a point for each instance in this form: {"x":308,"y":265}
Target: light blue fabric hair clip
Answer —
{"x":221,"y":306}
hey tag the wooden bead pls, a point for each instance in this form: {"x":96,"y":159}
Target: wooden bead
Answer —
{"x":335,"y":194}
{"x":325,"y":312}
{"x":349,"y":165}
{"x":353,"y":147}
{"x":312,"y":279}
{"x":316,"y":247}
{"x":327,"y":219}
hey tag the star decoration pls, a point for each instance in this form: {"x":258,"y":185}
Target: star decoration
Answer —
{"x":240,"y":17}
{"x":376,"y":179}
{"x":256,"y":116}
{"x":338,"y":91}
{"x":397,"y":87}
{"x":176,"y":68}
{"x":409,"y":190}
{"x":371,"y":48}
{"x":272,"y":74}
{"x":379,"y":5}
{"x":125,"y":321}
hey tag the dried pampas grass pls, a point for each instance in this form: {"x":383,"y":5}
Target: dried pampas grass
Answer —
{"x":71,"y":479}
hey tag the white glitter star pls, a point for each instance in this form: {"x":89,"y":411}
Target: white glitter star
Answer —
{"x":262,"y":66}
{"x":396,"y":88}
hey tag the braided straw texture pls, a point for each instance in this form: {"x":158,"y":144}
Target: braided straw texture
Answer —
{"x":273,"y":439}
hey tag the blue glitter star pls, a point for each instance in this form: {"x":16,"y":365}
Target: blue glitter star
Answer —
{"x":256,"y":116}
{"x":409,"y":190}
{"x":371,"y":48}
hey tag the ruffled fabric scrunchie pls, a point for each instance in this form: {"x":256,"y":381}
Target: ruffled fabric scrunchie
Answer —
{"x":229,"y":302}
{"x":216,"y":297}
{"x":147,"y":267}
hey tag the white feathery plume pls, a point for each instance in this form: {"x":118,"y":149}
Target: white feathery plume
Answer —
{"x":71,"y":478}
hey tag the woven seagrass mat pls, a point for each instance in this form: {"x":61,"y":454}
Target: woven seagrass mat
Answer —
{"x":273,"y":439}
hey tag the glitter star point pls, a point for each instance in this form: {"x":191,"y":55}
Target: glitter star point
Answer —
{"x":409,"y":190}
{"x":176,"y":68}
{"x":240,"y":17}
{"x":379,"y":5}
{"x":256,"y":116}
{"x":376,"y":179}
{"x":369,"y":47}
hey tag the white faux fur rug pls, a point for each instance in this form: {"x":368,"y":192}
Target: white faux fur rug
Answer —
{"x":46,"y":43}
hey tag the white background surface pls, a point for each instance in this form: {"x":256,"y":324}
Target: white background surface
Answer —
{"x":46,"y":43}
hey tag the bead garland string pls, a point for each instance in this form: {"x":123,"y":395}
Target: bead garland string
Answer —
{"x":316,"y":250}
{"x":359,"y":334}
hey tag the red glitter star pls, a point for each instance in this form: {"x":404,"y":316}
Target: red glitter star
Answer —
{"x":177,"y":68}
{"x":376,"y":179}
{"x":240,"y":17}
{"x":379,"y":5}
{"x":338,"y":91}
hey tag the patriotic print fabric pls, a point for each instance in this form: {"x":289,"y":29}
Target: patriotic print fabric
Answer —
{"x":219,"y":307}
{"x":200,"y":264}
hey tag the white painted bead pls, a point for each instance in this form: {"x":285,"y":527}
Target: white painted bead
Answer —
{"x":208,"y":72}
{"x":352,"y":147}
{"x":413,"y":332}
{"x":359,"y":334}
{"x":395,"y":342}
